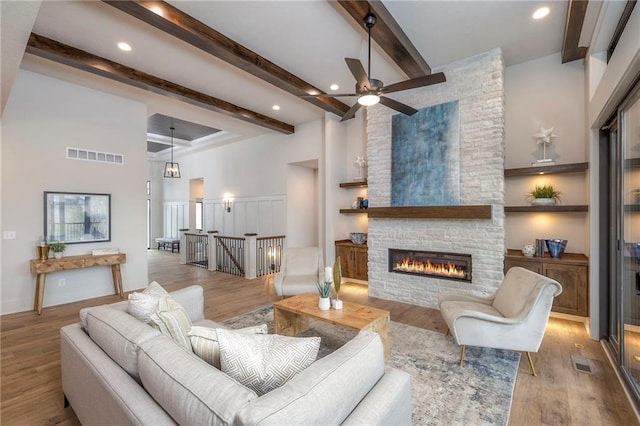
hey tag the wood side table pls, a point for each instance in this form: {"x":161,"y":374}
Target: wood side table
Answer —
{"x":42,"y":267}
{"x":291,"y":317}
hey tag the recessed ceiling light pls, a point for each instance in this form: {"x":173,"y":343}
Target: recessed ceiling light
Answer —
{"x":541,"y":13}
{"x":124,"y":46}
{"x":334,"y":87}
{"x":276,"y":107}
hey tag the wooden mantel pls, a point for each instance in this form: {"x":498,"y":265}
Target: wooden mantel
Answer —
{"x":431,"y":212}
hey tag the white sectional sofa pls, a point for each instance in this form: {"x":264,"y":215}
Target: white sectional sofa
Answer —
{"x":119,"y":370}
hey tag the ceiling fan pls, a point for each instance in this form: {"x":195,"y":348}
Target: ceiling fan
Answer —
{"x":370,"y":91}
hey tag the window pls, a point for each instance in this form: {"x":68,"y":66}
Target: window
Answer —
{"x":199,"y":211}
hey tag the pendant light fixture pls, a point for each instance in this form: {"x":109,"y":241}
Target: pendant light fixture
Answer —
{"x":171,"y":169}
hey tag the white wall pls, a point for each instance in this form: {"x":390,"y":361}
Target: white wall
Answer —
{"x":42,"y":117}
{"x":608,"y":87}
{"x":302,"y":206}
{"x":546,"y":93}
{"x":252,"y":171}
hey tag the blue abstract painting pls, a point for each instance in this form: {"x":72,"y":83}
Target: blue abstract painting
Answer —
{"x":425,"y":157}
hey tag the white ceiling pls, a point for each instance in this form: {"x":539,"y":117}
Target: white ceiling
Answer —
{"x":308,"y":38}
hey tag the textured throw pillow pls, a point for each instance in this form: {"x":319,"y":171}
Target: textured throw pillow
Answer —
{"x":143,"y":305}
{"x":265,"y":362}
{"x":172,"y":320}
{"x":204,"y":341}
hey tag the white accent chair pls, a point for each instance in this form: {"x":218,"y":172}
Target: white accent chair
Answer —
{"x":301,"y":270}
{"x":514,"y":318}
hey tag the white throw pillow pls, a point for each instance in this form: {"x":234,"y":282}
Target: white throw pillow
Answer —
{"x":172,"y":320}
{"x":265,"y":362}
{"x":204,"y":341}
{"x":143,"y":305}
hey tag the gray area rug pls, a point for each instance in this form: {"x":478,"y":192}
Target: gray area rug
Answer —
{"x":479,"y":393}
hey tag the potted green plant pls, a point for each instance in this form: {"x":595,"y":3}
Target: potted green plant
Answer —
{"x":544,"y":195}
{"x":337,"y":281}
{"x":324,"y":290}
{"x":57,"y":248}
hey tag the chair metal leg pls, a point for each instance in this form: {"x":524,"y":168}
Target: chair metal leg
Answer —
{"x":533,"y":370}
{"x":462,"y":355}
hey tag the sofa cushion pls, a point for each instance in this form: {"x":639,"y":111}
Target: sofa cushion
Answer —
{"x":119,"y":335}
{"x":189,"y":389}
{"x":327,"y":391}
{"x":265,"y":362}
{"x":172,"y":320}
{"x":204,"y":341}
{"x":143,"y":305}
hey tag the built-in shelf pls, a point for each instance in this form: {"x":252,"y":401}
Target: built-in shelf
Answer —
{"x":357,"y":184}
{"x":632,"y":163}
{"x":556,"y":208}
{"x":431,"y":212}
{"x":349,"y":211}
{"x":557,"y":168}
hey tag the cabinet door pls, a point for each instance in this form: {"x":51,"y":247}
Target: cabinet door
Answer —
{"x":573,"y":279}
{"x":346,"y":264}
{"x":532,"y":266}
{"x":361,"y":259}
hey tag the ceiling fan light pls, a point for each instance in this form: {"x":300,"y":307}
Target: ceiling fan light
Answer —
{"x":368,"y":100}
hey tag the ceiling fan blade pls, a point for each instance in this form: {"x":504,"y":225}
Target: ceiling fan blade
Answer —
{"x":405,"y":109}
{"x":351,"y":113}
{"x":329,"y":95}
{"x":356,"y":68}
{"x":426,"y":80}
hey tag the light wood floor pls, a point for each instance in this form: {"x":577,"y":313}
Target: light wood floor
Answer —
{"x":31,"y":391}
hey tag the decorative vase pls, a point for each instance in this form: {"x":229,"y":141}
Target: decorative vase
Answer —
{"x":43,"y":252}
{"x":336,"y":304}
{"x":57,"y":254}
{"x":324,"y":303}
{"x":528,"y":250}
{"x":543,"y":201}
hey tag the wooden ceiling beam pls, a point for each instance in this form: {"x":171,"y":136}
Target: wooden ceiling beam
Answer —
{"x":171,"y":20}
{"x":571,"y":51}
{"x":389,"y":36}
{"x":53,"y":50}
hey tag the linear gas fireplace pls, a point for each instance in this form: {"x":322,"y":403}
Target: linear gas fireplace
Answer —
{"x":450,"y":266}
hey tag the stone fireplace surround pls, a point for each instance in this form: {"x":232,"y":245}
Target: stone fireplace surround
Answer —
{"x":478,"y":85}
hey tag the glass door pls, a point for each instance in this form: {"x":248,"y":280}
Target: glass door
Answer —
{"x":630,"y":232}
{"x":613,"y":232}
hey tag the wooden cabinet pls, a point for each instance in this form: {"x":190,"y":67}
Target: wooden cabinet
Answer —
{"x":353,"y":259}
{"x":571,"y":271}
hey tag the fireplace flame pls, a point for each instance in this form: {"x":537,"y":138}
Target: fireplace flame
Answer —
{"x":447,"y":270}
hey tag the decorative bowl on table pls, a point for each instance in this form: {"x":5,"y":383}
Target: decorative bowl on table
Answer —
{"x":358,"y":238}
{"x":556,"y":247}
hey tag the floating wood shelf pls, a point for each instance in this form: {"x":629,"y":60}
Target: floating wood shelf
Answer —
{"x":358,"y":184}
{"x":632,"y":163}
{"x":349,"y":211}
{"x":559,"y":168}
{"x":533,"y":209}
{"x":431,"y":212}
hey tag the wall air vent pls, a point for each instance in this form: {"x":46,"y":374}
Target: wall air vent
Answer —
{"x":88,"y":155}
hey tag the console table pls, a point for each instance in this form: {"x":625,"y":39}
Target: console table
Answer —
{"x":42,"y":267}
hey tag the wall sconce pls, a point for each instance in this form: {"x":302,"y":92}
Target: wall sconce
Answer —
{"x":226,"y":204}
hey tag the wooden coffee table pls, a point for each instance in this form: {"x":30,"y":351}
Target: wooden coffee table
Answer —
{"x":291,"y":317}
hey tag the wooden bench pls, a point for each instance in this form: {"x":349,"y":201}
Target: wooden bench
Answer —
{"x":168,"y":243}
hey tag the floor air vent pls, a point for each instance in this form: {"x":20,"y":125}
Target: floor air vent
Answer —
{"x":582,"y":364}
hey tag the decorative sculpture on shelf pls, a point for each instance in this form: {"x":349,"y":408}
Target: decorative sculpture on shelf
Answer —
{"x":360,"y":163}
{"x":544,"y":137}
